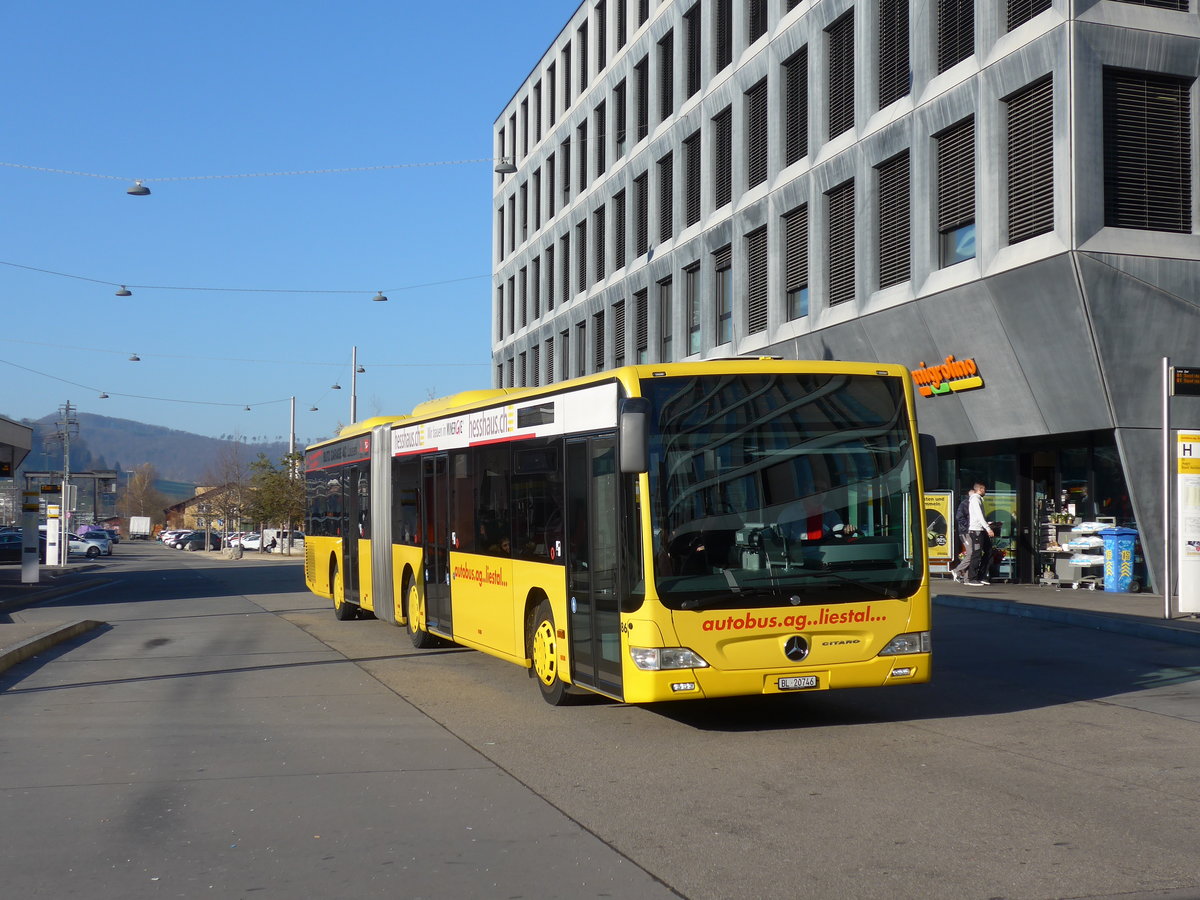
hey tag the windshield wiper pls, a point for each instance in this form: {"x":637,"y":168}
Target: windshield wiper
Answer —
{"x":853,"y":582}
{"x":743,"y":593}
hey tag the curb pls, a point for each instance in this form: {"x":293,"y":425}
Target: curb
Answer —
{"x":38,"y":594}
{"x":10,"y":656}
{"x":1114,"y":623}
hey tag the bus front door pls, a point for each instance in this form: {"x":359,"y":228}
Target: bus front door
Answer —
{"x":592,"y":576}
{"x":436,"y":540}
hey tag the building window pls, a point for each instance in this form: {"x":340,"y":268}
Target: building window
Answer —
{"x":521,"y":372}
{"x":723,"y":46}
{"x":723,"y":157}
{"x":795,"y":106}
{"x":511,"y":382}
{"x":956,"y":191}
{"x":551,"y":94}
{"x":581,"y":140}
{"x":619,"y":231}
{"x":895,"y":220}
{"x":525,"y":127}
{"x":1147,"y":151}
{"x":666,"y":76}
{"x":535,"y":365}
{"x":723,"y":294}
{"x":691,"y":179}
{"x":535,"y":294}
{"x":550,"y":186}
{"x":598,"y":342}
{"x":564,"y":153}
{"x":581,"y":349}
{"x":512,"y":305}
{"x":500,"y":231}
{"x":564,"y":350}
{"x":641,"y":328}
{"x":524,"y":212}
{"x":757,"y":292}
{"x":1031,"y":161}
{"x":756,"y":20}
{"x":599,"y":240}
{"x":619,"y":113}
{"x":641,"y":84}
{"x":549,"y":360}
{"x":757,"y":143}
{"x":893,"y":51}
{"x":549,"y":256}
{"x":841,"y":243}
{"x":581,"y":257}
{"x":581,"y":40}
{"x":602,"y":35}
{"x":500,"y":332}
{"x":537,"y":111}
{"x":643,"y":11}
{"x":1179,"y":5}
{"x":601,"y":117}
{"x":537,"y":199}
{"x":665,"y":321}
{"x":620,"y":35}
{"x":691,"y":296}
{"x":693,"y":35}
{"x":641,"y":216}
{"x":566,"y":77}
{"x":795,"y":255}
{"x":564,"y":249}
{"x":1021,"y":11}
{"x":666,"y":198}
{"x":500,"y":375}
{"x":956,"y":32}
{"x":524,"y":305}
{"x":841,"y":75}
{"x":619,"y":333}
{"x":512,"y":223}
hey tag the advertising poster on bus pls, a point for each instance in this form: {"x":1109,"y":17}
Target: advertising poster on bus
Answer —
{"x":939,"y":525}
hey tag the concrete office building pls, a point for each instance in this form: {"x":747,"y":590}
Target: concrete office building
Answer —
{"x":1002,"y":188}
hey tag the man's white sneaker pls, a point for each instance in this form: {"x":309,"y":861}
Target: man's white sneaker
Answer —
{"x":973,"y":583}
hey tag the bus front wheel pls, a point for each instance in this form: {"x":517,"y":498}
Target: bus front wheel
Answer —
{"x":421,"y":639}
{"x":543,"y":646}
{"x":342,"y":611}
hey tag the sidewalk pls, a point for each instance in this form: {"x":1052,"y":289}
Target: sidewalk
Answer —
{"x":1138,"y":615}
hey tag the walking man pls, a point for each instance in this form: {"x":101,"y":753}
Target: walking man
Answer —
{"x":962,"y":526}
{"x":977,"y":529}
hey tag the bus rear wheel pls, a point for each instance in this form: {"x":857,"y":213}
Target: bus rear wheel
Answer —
{"x":421,"y":639}
{"x":342,"y":611}
{"x":543,"y":648}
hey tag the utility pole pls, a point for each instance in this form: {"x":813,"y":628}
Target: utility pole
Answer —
{"x":66,"y":426}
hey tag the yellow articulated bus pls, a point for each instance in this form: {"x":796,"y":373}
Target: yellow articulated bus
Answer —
{"x":655,"y":532}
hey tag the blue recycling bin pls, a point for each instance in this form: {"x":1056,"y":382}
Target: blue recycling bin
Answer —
{"x":1118,"y":558}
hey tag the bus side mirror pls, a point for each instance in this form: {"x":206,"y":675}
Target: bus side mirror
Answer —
{"x":929,"y":461}
{"x":633,"y":430}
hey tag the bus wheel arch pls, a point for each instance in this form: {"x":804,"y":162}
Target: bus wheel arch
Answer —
{"x":342,"y":611}
{"x":414,"y":613}
{"x":544,"y":648}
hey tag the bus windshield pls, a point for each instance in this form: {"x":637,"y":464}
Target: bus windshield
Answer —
{"x":782,"y":489}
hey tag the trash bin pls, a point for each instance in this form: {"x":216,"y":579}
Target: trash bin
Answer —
{"x":1118,"y":558}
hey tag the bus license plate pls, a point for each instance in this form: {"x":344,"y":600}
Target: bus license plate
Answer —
{"x":798,"y":683}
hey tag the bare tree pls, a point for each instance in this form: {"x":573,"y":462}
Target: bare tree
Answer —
{"x":139,"y":497}
{"x":229,"y":476}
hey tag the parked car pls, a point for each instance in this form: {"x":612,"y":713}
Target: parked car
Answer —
{"x":234,"y":538}
{"x":177,"y":540}
{"x":252,"y":541}
{"x":10,"y":546}
{"x":112,"y":534}
{"x":100,"y":539}
{"x":77,"y":545}
{"x":197,"y":541}
{"x":169,"y":535}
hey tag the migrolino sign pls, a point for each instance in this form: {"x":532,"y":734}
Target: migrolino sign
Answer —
{"x":951,"y":375}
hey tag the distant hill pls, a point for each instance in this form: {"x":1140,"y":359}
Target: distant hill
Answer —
{"x":108,"y":443}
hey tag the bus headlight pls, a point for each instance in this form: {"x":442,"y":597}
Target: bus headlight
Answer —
{"x":655,"y":659}
{"x":912,"y":642}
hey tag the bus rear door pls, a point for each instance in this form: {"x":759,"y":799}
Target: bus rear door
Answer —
{"x":436,"y":531}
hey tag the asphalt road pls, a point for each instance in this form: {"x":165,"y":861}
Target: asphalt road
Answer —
{"x":226,"y":736}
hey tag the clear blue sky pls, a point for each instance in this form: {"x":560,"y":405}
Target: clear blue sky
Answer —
{"x":141,"y":89}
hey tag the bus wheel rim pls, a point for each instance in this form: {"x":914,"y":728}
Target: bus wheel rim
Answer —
{"x":543,"y":652}
{"x":414,"y":607}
